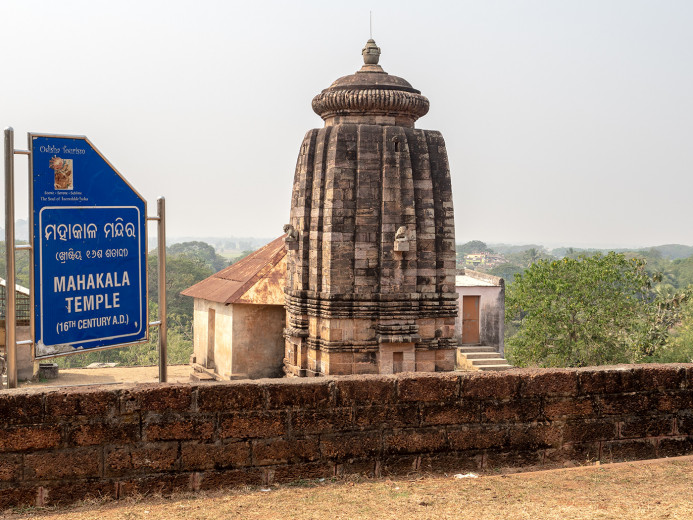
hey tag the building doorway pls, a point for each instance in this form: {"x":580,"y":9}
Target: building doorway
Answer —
{"x":397,"y":362}
{"x":470,"y":320}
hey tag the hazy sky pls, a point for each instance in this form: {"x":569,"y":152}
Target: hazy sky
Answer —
{"x":566,"y":122}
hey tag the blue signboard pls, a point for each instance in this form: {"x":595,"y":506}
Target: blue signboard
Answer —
{"x":89,"y":238}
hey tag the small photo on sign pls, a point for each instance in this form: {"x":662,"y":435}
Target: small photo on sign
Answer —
{"x":63,"y":172}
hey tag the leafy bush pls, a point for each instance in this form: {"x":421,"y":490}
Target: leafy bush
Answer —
{"x":576,"y":312}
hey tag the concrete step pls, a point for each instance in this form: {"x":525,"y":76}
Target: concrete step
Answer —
{"x":201,"y":377}
{"x":482,"y":355}
{"x":202,"y":374}
{"x":488,"y":361}
{"x":476,"y":348}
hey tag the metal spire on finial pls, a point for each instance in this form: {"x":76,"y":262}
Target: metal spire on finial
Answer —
{"x":371,"y":15}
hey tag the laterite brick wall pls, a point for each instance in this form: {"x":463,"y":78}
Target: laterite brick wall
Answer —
{"x":59,"y":446}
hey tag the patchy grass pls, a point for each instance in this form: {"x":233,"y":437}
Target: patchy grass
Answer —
{"x":636,"y":491}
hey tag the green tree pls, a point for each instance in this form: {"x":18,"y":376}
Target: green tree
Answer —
{"x":181,"y":272}
{"x":506,"y":271}
{"x":201,"y":251}
{"x":576,"y":312}
{"x":679,"y":345}
{"x":473,"y":246}
{"x":681,"y":271}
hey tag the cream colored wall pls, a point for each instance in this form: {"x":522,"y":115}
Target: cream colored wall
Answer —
{"x":248,"y":339}
{"x":258,"y":340}
{"x":223,"y":333}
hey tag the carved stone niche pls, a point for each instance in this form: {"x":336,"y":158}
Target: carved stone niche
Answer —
{"x":402,"y":239}
{"x":291,"y":238}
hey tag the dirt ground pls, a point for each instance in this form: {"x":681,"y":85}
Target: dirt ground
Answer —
{"x":649,"y":490}
{"x":95,"y":376}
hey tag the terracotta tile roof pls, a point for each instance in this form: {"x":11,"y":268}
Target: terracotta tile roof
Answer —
{"x":231,"y":283}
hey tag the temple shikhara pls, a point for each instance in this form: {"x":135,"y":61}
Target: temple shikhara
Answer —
{"x":370,"y":281}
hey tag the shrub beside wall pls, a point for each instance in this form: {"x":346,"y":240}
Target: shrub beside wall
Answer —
{"x":59,"y":446}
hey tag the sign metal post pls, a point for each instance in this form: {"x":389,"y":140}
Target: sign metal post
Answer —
{"x":10,"y":309}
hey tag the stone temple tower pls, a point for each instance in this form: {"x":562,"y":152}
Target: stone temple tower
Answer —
{"x":371,"y":242}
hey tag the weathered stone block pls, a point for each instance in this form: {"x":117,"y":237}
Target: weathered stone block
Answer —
{"x":124,"y":431}
{"x":495,"y":385}
{"x":661,"y":377}
{"x":477,"y":438}
{"x":589,"y":431}
{"x":230,"y":396}
{"x":517,"y":410}
{"x":141,"y":458}
{"x":89,"y":401}
{"x":51,"y":465}
{"x":17,"y":496}
{"x":344,"y":446}
{"x":568,"y":407}
{"x":607,"y":380}
{"x":329,"y":420}
{"x":365,"y":390}
{"x":676,"y":401}
{"x":283,"y":451}
{"x":387,"y":416}
{"x":638,"y":427}
{"x":197,"y":456}
{"x":425,"y":388}
{"x":242,"y":425}
{"x":549,"y":382}
{"x":26,"y":438}
{"x":10,"y":468}
{"x":298,"y":394}
{"x":459,"y":412}
{"x":21,"y":408}
{"x":420,"y":440}
{"x":172,"y":427}
{"x":527,"y":437}
{"x":675,"y":447}
{"x":154,"y":397}
{"x":623,"y":404}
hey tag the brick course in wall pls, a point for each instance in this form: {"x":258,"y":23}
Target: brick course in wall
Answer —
{"x":59,"y":446}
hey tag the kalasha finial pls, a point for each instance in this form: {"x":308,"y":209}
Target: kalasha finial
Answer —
{"x":371,"y":53}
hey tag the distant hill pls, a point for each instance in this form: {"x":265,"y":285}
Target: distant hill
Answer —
{"x":668,"y":251}
{"x":673,"y":251}
{"x":219,"y":243}
{"x":508,"y":249}
{"x":21,"y":230}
